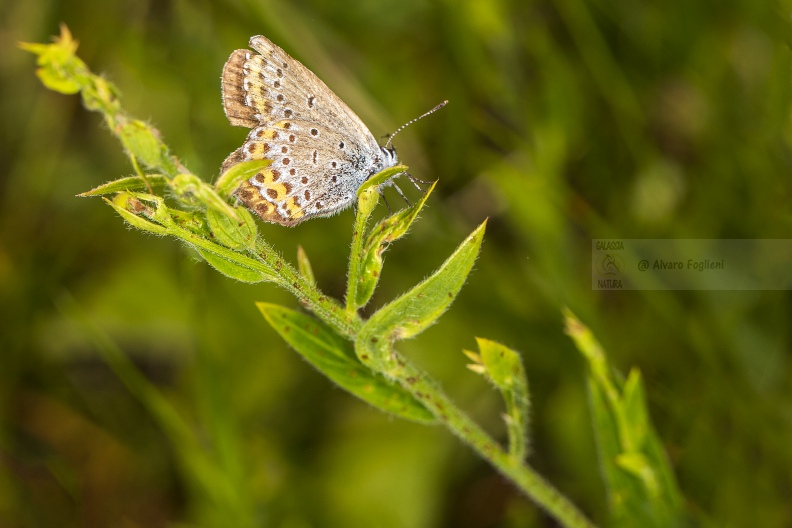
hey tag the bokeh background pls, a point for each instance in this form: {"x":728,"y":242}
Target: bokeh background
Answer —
{"x":568,"y":120}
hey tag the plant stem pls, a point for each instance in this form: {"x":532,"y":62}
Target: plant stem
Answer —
{"x":329,"y":310}
{"x":361,"y":219}
{"x":270,"y":263}
{"x":529,"y":481}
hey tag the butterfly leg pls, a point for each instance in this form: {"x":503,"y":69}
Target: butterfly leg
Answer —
{"x":415,"y":181}
{"x":382,"y":195}
{"x":401,"y":194}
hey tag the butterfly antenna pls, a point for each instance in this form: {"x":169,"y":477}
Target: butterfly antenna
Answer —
{"x":432,"y":111}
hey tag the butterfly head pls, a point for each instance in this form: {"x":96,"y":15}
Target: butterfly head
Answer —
{"x":390,"y":159}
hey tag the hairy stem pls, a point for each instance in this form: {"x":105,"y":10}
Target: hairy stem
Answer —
{"x":529,"y":481}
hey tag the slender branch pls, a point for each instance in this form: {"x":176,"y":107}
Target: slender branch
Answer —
{"x":270,"y":263}
{"x":529,"y":481}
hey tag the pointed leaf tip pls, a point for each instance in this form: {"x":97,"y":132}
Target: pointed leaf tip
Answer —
{"x":420,"y":307}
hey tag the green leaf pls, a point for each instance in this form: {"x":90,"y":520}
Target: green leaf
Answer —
{"x":390,"y":229}
{"x":333,"y":356}
{"x":235,"y":234}
{"x":99,"y":94}
{"x":58,"y":81}
{"x":503,"y":364}
{"x":141,"y":203}
{"x":636,"y":414}
{"x":505,"y":369}
{"x":232,"y":269}
{"x":130,"y":183}
{"x":60,"y":70}
{"x":129,"y":208}
{"x":190,"y":187}
{"x":142,"y":141}
{"x":420,"y":307}
{"x":381,"y":177}
{"x":642,"y":489}
{"x":229,"y":181}
{"x":304,"y":265}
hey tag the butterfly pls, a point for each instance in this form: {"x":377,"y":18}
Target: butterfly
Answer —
{"x":321,"y":151}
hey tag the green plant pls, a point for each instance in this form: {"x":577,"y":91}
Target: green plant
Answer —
{"x":355,"y":353}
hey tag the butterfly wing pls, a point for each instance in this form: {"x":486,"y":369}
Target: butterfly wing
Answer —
{"x":315,"y":172}
{"x":321,"y":151}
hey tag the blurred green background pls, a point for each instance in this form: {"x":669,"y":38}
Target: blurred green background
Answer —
{"x":568,"y":120}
